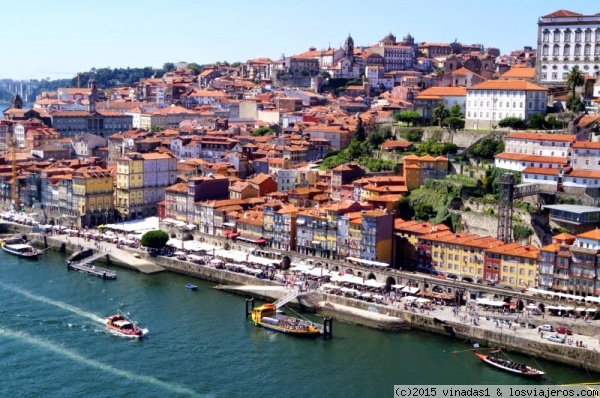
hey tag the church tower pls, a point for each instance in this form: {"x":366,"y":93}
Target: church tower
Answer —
{"x":17,"y":102}
{"x":349,"y":48}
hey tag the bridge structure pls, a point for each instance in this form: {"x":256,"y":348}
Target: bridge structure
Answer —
{"x":25,"y":88}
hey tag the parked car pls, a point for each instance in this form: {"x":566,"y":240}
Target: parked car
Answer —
{"x":530,"y":326}
{"x":556,"y":338}
{"x":547,"y":328}
{"x":564,"y":330}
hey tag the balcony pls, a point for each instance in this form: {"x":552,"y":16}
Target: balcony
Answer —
{"x":583,"y":250}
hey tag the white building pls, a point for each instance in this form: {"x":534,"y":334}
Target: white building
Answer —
{"x":567,"y":39}
{"x":586,"y":155}
{"x":493,"y":100}
{"x":539,"y":144}
{"x":286,"y":180}
{"x":519,"y":162}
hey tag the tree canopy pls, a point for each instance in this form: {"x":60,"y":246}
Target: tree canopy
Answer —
{"x":259,"y":132}
{"x":156,"y":239}
{"x":410,"y":117}
{"x":575,"y":78}
{"x":440,"y":113}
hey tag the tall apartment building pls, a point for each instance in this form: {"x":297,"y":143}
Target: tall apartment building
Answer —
{"x":566,"y":39}
{"x":141,"y":182}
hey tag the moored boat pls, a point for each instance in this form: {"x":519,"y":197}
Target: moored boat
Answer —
{"x":268,"y":317}
{"x":21,"y":250}
{"x":508,"y":366}
{"x":121,"y":326}
{"x":189,"y":286}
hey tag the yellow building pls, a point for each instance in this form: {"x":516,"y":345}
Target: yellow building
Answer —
{"x":407,"y":238}
{"x":459,"y":255}
{"x":130,"y":186}
{"x":93,"y":196}
{"x":518,"y":265}
{"x":418,"y":169}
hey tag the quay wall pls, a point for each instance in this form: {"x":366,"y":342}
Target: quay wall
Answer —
{"x":509,"y":340}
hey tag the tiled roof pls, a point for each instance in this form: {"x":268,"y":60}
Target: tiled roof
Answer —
{"x":443,"y":91}
{"x":562,"y":14}
{"x":594,"y":234}
{"x":530,"y":158}
{"x":542,"y":137}
{"x":518,"y":73}
{"x":538,"y":170}
{"x":508,"y":85}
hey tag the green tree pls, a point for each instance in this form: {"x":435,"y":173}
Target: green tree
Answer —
{"x":513,"y":122}
{"x":424,"y":211}
{"x":259,"y":132}
{"x":325,"y":75}
{"x":486,"y":148}
{"x":575,"y":78}
{"x":456,"y":111}
{"x":454,"y":122}
{"x":195,"y":67}
{"x":168,"y":66}
{"x":156,"y":239}
{"x":537,"y":121}
{"x":410,"y":117}
{"x":359,"y":132}
{"x":155,"y":129}
{"x":413,"y":135}
{"x":440,"y":113}
{"x":521,"y":232}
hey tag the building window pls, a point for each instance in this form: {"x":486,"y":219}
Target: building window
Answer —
{"x":588,"y":35}
{"x":577,"y":50}
{"x":545,"y":36}
{"x":578,"y":35}
{"x":555,"y":50}
{"x":545,"y":50}
{"x":567,"y":35}
{"x":587,"y":50}
{"x":557,"y":35}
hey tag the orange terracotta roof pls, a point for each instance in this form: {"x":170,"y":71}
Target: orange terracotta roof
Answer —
{"x":562,"y":14}
{"x":444,"y":91}
{"x":593,"y":234}
{"x":508,"y":85}
{"x":530,"y":158}
{"x":583,"y":174}
{"x":518,"y":73}
{"x":538,"y":170}
{"x":542,"y":137}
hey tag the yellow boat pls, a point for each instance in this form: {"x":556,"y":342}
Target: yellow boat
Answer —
{"x":267,"y":316}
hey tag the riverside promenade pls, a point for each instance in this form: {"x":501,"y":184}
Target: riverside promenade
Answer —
{"x":465,"y":323}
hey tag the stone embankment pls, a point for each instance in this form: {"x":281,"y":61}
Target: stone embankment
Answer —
{"x":392,"y":317}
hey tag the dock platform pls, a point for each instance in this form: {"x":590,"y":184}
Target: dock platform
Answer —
{"x":92,"y":270}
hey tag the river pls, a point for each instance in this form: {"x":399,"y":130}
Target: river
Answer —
{"x":52,"y":343}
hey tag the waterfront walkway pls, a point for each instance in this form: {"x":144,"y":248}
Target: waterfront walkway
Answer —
{"x":116,"y":255}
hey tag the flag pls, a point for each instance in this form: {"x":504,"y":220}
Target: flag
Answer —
{"x":476,"y":345}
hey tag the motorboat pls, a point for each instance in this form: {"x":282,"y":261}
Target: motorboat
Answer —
{"x":121,"y":326}
{"x":268,"y":317}
{"x":189,"y":286}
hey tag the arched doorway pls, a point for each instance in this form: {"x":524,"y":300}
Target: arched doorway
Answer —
{"x":335,"y":268}
{"x":389,"y":282}
{"x":520,"y":305}
{"x":371,"y":276}
{"x":349,"y":271}
{"x":437,"y":289}
{"x":286,"y":262}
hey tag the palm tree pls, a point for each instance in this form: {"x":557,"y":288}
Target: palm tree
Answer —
{"x":440,"y":113}
{"x":575,"y":79}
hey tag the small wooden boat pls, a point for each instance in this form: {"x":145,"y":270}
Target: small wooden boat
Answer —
{"x":121,"y":326}
{"x":189,"y":286}
{"x":508,"y":366}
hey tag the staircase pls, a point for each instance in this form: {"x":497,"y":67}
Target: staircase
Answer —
{"x":90,"y":259}
{"x":286,"y":299}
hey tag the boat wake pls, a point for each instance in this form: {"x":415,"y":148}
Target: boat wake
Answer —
{"x":55,"y":303}
{"x":57,"y":349}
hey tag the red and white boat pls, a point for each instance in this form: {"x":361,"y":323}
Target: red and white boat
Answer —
{"x":509,"y":366}
{"x":121,"y":326}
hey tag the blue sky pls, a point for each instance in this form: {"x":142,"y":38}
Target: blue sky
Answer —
{"x":58,"y":38}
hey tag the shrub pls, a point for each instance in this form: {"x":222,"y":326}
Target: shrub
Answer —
{"x":521,"y":232}
{"x":156,"y":239}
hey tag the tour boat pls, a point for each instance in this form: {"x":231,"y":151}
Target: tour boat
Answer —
{"x":189,"y":286}
{"x":21,"y":250}
{"x":124,"y":327}
{"x":509,"y":366}
{"x":268,"y":317}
